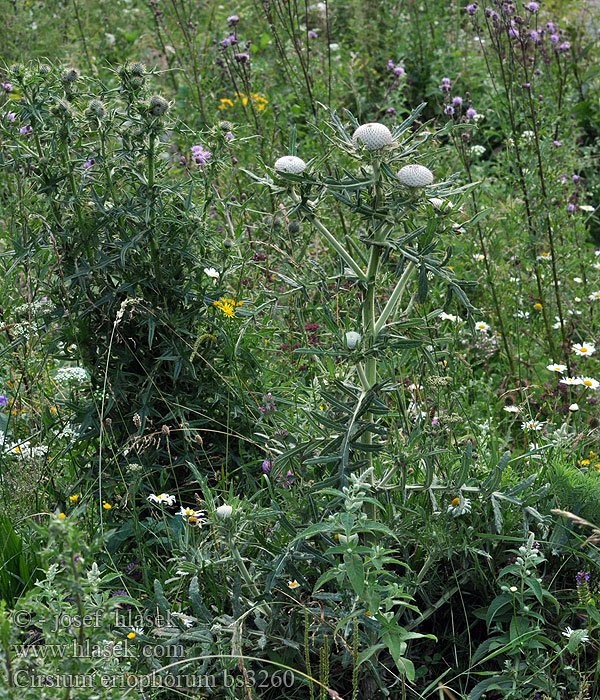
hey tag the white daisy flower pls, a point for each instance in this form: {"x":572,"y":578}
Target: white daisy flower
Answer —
{"x":569,"y":632}
{"x":478,"y":257}
{"x":584,"y":349}
{"x":557,"y":368}
{"x":586,"y":207}
{"x":596,"y":266}
{"x":450,"y":317}
{"x":544,"y":256}
{"x":594,"y":296}
{"x":511,"y":409}
{"x":589,"y":382}
{"x":211,"y":272}
{"x":574,"y":407}
{"x":528,"y":425}
{"x":578,"y":280}
{"x":570,"y":381}
{"x":459,"y":506}
{"x":190,"y":513}
{"x":558,"y":323}
{"x":481,"y":326}
{"x":293,"y":584}
{"x":186,"y":620}
{"x":162,"y":498}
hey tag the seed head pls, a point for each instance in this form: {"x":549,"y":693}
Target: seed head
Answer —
{"x":372,"y":136}
{"x":290,"y":164}
{"x":415,"y":175}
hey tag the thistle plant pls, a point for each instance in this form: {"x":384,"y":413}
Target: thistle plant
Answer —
{"x":380,"y":177}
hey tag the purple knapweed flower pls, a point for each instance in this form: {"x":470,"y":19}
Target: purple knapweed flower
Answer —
{"x":232,"y":20}
{"x":6,"y":86}
{"x":535,"y":35}
{"x":565,"y":46}
{"x":89,"y":163}
{"x":557,"y":144}
{"x":201,"y":156}
{"x":457,"y":101}
{"x":471,"y":113}
{"x":229,"y":136}
{"x":312,"y":34}
{"x":532,"y":6}
{"x":267,"y":466}
{"x":575,"y":177}
{"x":3,"y":400}
{"x":449,"y":109}
{"x":571,"y":208}
{"x":551,"y":27}
{"x":10,"y":116}
{"x":445,"y":86}
{"x":472,"y":8}
{"x":229,"y":41}
{"x":26,"y":130}
{"x":492,"y":14}
{"x":554,"y":38}
{"x":398,"y":70}
{"x":242,"y":57}
{"x":513,"y":32}
{"x":390,"y":110}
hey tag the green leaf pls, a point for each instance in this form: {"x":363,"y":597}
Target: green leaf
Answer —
{"x":356,"y":572}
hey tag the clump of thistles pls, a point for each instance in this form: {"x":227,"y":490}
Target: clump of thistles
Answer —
{"x":290,"y":164}
{"x":415,"y":175}
{"x":372,"y":136}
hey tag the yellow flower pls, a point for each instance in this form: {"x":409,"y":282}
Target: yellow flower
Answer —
{"x":537,"y":306}
{"x":227,"y":306}
{"x":585,"y":462}
{"x":106,"y":505}
{"x":455,"y":502}
{"x":131,"y":635}
{"x":74,"y":497}
{"x":53,"y":410}
{"x":225,"y":102}
{"x":62,"y":516}
{"x":293,"y":584}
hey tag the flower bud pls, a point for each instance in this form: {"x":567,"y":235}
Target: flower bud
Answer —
{"x":415,"y":175}
{"x":290,"y":164}
{"x":158,"y":105}
{"x":352,"y":339}
{"x":372,"y":136}
{"x":224,"y":512}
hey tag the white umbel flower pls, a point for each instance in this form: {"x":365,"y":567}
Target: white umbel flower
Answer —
{"x":372,"y":136}
{"x":290,"y":164}
{"x":415,"y":175}
{"x":353,"y":339}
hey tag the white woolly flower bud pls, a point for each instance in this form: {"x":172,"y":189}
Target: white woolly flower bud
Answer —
{"x":441,"y":204}
{"x":224,"y":512}
{"x":290,"y":164}
{"x":415,"y":175}
{"x":353,"y":339}
{"x":372,"y":136}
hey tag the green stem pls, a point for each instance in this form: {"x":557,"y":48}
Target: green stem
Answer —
{"x":394,"y":299}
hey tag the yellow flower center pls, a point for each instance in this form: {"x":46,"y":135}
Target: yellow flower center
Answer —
{"x":455,"y":502}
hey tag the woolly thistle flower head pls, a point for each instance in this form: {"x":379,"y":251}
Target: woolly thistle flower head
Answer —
{"x":70,"y":76}
{"x":353,"y":339}
{"x":96,"y":110}
{"x":137,"y":69}
{"x":158,"y":105}
{"x":372,"y":136}
{"x":415,"y":175}
{"x":290,"y":164}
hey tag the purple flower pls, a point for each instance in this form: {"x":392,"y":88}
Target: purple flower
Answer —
{"x":267,"y":466}
{"x":534,"y":35}
{"x":312,"y":34}
{"x":89,"y":163}
{"x":3,"y":400}
{"x":229,"y":136}
{"x":575,"y":177}
{"x":201,"y":157}
{"x":557,"y":144}
{"x":513,"y":32}
{"x":554,"y":38}
{"x":7,"y":86}
{"x":229,"y":41}
{"x":492,"y":14}
{"x":571,"y":208}
{"x":26,"y":130}
{"x":10,"y":116}
{"x":581,"y":577}
{"x":550,"y":27}
{"x":390,"y":110}
{"x":457,"y":101}
{"x":232,"y":20}
{"x":565,"y":46}
{"x":445,"y":86}
{"x":449,"y":109}
{"x":398,"y":70}
{"x":471,"y":113}
{"x":391,"y":64}
{"x":242,"y":57}
{"x":532,"y":6}
{"x":472,"y":8}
